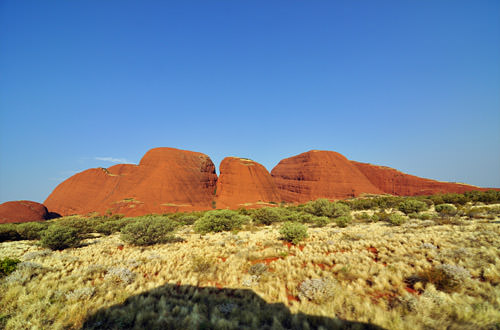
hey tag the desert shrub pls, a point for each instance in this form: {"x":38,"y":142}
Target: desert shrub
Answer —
{"x":324,"y":208}
{"x":188,"y":219}
{"x":425,"y":216}
{"x":293,"y":232}
{"x":8,"y":232}
{"x":388,"y":202}
{"x":81,"y":225}
{"x":8,"y":265}
{"x":220,"y":220}
{"x":426,"y":200}
{"x":267,"y":215}
{"x":451,"y":198}
{"x":362,"y":203}
{"x":343,"y":221}
{"x":413,"y":215}
{"x":302,"y":217}
{"x":446,"y":277}
{"x":412,"y":206}
{"x":318,"y":290}
{"x":31,"y":230}
{"x":382,"y":216}
{"x":320,"y":221}
{"x":446,"y":209}
{"x":319,"y":207}
{"x":148,"y":231}
{"x":374,"y":218}
{"x":487,"y":197}
{"x":244,"y":211}
{"x":340,"y":209}
{"x":111,"y":226}
{"x":396,"y":219}
{"x":363,"y":216}
{"x":58,"y":237}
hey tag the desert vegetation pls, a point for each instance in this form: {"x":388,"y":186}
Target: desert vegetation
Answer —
{"x":427,"y":262}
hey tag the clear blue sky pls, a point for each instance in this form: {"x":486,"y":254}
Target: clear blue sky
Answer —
{"x":414,"y":85}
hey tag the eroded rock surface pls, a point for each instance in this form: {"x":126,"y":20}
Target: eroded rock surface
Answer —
{"x":166,"y":180}
{"x":244,"y":183}
{"x":319,"y":174}
{"x":394,"y":182}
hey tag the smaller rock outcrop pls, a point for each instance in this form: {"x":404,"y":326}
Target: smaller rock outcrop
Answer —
{"x":394,"y":182}
{"x":22,"y":211}
{"x":319,"y":174}
{"x":244,"y":183}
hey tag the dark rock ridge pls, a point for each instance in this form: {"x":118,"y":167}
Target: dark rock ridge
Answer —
{"x":173,"y":180}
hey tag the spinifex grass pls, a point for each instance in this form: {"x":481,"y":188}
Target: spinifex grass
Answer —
{"x":390,"y":276}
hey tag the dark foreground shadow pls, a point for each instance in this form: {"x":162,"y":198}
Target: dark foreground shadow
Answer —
{"x":190,"y":307}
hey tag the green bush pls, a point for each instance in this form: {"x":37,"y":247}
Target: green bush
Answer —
{"x":321,"y":221}
{"x":58,"y":237}
{"x":446,"y":209}
{"x":148,"y":231}
{"x":301,"y":216}
{"x":112,"y":226}
{"x":382,"y":216}
{"x":343,"y":221}
{"x":362,"y":203}
{"x":412,"y":206}
{"x":425,"y":216}
{"x":267,"y":215}
{"x":8,"y":265}
{"x":319,"y":207}
{"x":396,"y":219}
{"x":188,"y":219}
{"x":220,"y":220}
{"x":8,"y":232}
{"x":31,"y":230}
{"x":388,"y":202}
{"x":324,"y":208}
{"x":293,"y":232}
{"x":375,"y":218}
{"x":81,"y":225}
{"x":363,"y":216}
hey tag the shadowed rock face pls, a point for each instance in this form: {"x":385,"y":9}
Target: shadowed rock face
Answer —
{"x":166,"y":180}
{"x":394,"y":182}
{"x":22,"y":211}
{"x":319,"y":174}
{"x":244,"y":183}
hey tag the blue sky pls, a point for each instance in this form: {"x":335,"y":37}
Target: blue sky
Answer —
{"x":414,"y":85}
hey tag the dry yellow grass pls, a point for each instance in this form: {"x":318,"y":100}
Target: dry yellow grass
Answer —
{"x":359,"y":274}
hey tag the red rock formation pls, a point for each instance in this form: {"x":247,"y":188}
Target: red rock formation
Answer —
{"x":166,"y":180}
{"x":244,"y":183}
{"x":394,"y":182}
{"x":22,"y":211}
{"x":319,"y":174}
